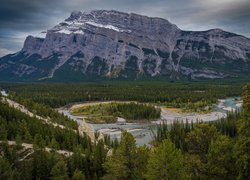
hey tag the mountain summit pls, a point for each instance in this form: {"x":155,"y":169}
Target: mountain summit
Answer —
{"x":110,"y":44}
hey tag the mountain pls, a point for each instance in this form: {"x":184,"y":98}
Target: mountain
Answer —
{"x":111,"y":44}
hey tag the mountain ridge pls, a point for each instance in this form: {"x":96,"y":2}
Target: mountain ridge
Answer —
{"x":113,"y":44}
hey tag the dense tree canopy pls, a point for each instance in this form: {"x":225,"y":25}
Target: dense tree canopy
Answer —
{"x":242,"y":146}
{"x":166,"y":162}
{"x":216,"y":150}
{"x":187,"y":95}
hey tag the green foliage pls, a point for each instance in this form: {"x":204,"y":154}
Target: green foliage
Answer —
{"x":41,"y":165}
{"x":199,"y":139}
{"x":142,"y":156}
{"x":39,"y":141}
{"x":199,"y":106}
{"x":47,"y":112}
{"x":170,"y":94}
{"x":227,"y":125}
{"x":54,"y":144}
{"x":195,"y":168}
{"x":217,"y":150}
{"x":6,"y":171}
{"x":127,"y":161}
{"x":208,"y":153}
{"x":166,"y":162}
{"x":99,"y":153}
{"x":109,"y":112}
{"x":21,"y":127}
{"x":120,"y":164}
{"x":135,"y":111}
{"x":242,"y":156}
{"x":220,"y":160}
{"x":244,"y":124}
{"x":242,"y":146}
{"x":78,"y":175}
{"x":59,"y":171}
{"x":177,"y":132}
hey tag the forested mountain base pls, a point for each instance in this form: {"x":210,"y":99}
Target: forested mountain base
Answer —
{"x":218,"y":150}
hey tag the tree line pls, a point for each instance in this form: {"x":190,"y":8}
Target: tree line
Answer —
{"x":171,"y":94}
{"x":218,"y":150}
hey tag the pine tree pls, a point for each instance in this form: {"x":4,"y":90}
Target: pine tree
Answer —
{"x":78,"y":175}
{"x":220,"y":160}
{"x":242,"y":146}
{"x":6,"y":171}
{"x":59,"y":171}
{"x":39,"y":141}
{"x":141,"y":161}
{"x":76,"y":161}
{"x":99,"y":156}
{"x":27,"y":137}
{"x":166,"y":162}
{"x":199,"y":139}
{"x":26,"y":169}
{"x":121,"y":165}
{"x":54,"y":144}
{"x":3,"y":129}
{"x":40,"y":164}
{"x":18,"y":140}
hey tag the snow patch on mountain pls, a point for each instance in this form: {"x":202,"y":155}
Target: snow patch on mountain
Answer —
{"x":107,"y":26}
{"x":116,"y":44}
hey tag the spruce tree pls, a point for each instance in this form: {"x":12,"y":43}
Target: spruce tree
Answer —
{"x":166,"y":162}
{"x":242,"y":146}
{"x":220,"y":160}
{"x":122,"y":163}
{"x":78,"y":175}
{"x":59,"y":171}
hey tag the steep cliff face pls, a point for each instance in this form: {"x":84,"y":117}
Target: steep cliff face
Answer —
{"x":112,"y":44}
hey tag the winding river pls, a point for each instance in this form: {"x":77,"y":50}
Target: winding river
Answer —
{"x":144,"y":132}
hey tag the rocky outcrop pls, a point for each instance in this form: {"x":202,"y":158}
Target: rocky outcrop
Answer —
{"x":112,"y":44}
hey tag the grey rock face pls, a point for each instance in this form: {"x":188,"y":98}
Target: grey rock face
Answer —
{"x":120,"y":45}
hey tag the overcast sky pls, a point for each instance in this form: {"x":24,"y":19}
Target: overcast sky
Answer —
{"x":19,"y":18}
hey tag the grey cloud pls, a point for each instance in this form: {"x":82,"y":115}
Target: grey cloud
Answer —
{"x":21,"y":17}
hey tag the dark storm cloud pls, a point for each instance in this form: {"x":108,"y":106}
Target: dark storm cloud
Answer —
{"x":28,"y":14}
{"x":19,"y":18}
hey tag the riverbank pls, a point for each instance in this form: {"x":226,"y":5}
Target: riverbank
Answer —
{"x":143,"y":131}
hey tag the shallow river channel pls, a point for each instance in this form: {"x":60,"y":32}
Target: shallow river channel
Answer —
{"x":143,"y":132}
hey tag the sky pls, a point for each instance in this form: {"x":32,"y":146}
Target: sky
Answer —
{"x":20,"y":18}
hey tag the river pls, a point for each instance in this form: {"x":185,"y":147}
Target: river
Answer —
{"x":143,"y":132}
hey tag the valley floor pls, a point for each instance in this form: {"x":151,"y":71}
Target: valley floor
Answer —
{"x":143,"y":131}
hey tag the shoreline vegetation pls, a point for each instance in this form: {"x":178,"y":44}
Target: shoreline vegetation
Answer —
{"x":109,"y":112}
{"x":99,"y":112}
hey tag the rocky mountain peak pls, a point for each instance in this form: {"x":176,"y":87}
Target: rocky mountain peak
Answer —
{"x":75,"y":15}
{"x":113,"y":44}
{"x":114,"y":20}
